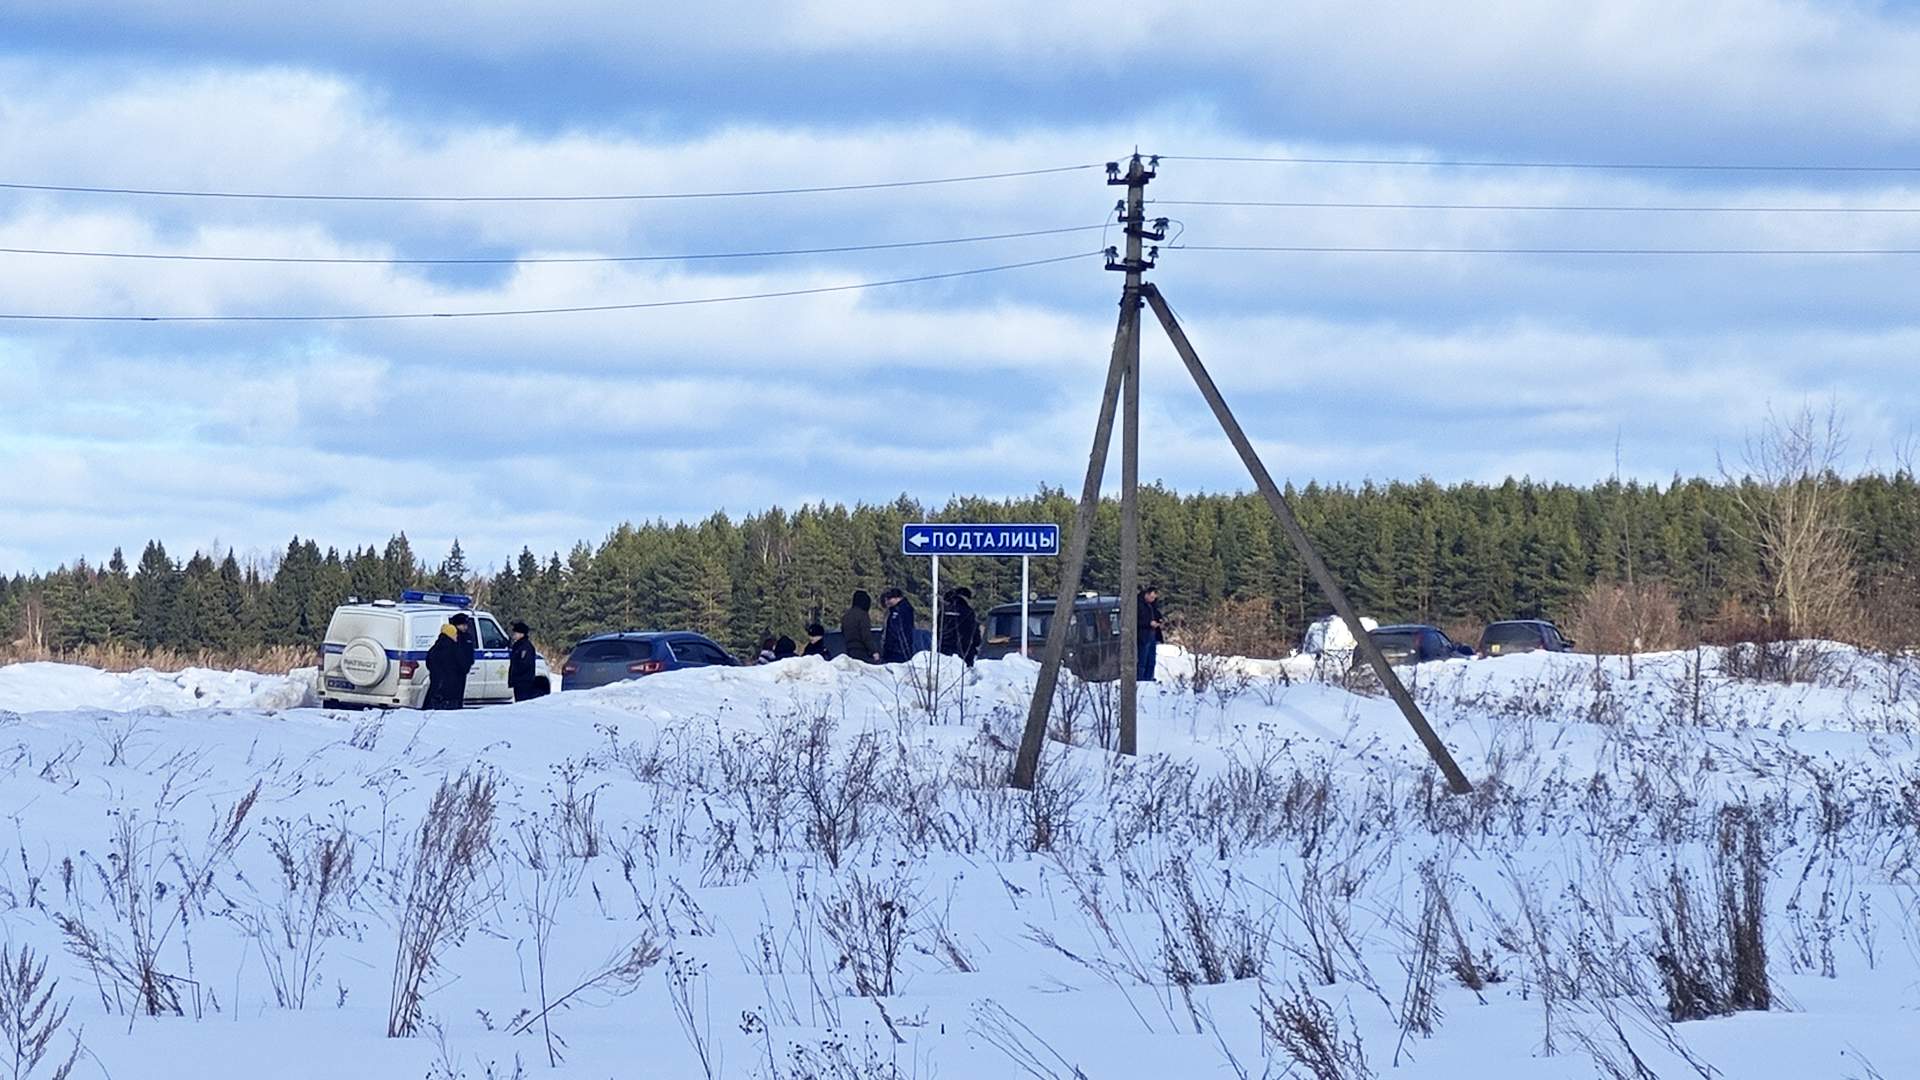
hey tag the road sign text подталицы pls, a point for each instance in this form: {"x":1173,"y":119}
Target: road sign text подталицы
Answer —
{"x":926,"y":538}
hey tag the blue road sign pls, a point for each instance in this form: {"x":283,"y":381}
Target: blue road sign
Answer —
{"x":952,"y":538}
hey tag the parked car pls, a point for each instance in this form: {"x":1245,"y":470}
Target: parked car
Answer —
{"x":1521,"y":636}
{"x":1329,"y":634}
{"x":375,"y":652}
{"x":1413,"y":643}
{"x":603,"y":659}
{"x":1093,"y":642}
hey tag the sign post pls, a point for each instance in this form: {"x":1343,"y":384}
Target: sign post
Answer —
{"x":1029,"y":540}
{"x":1026,"y":597}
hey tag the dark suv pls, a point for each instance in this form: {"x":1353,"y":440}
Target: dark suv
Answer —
{"x":1522,"y":635}
{"x":1413,"y":644}
{"x":1093,"y":640}
{"x":631,"y":654}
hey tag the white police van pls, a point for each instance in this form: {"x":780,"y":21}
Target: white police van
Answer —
{"x":375,"y":652}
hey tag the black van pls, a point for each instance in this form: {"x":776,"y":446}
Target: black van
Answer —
{"x":1093,"y":641}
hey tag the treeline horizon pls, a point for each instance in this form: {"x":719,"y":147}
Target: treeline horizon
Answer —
{"x":1416,"y":552}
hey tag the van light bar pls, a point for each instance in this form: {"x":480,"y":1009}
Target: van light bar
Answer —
{"x":416,"y":596}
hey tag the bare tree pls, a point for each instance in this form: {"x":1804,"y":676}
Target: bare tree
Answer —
{"x":1792,"y":505}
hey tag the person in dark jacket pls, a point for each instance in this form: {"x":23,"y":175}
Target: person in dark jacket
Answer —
{"x":447,"y":665}
{"x":1149,"y":624}
{"x":816,"y":641}
{"x":960,"y":627}
{"x":783,"y":648}
{"x":856,"y":627}
{"x":469,"y":638}
{"x":520,"y":665}
{"x":896,"y":641}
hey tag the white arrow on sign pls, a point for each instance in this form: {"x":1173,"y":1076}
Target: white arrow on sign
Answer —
{"x":919,"y":539}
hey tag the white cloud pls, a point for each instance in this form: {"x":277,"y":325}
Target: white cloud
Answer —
{"x":545,"y":430}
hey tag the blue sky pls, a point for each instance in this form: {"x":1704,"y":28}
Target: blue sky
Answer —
{"x":546,"y":430}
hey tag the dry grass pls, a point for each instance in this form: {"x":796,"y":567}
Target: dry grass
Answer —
{"x":29,"y":1018}
{"x":452,"y":852}
{"x":266,"y":659}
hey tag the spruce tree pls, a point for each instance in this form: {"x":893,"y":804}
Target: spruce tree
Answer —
{"x":453,"y":572}
{"x":155,"y":585}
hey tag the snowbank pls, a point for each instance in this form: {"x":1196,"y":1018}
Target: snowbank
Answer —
{"x":842,"y":886}
{"x":50,"y":687}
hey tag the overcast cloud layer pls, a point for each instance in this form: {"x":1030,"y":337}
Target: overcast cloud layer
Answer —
{"x":541,"y":430}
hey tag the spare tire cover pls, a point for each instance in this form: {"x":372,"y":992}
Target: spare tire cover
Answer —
{"x":363,"y":662}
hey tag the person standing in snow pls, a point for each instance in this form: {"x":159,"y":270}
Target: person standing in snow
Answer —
{"x":816,"y":641}
{"x":896,"y":641}
{"x":783,"y":649}
{"x":520,"y":662}
{"x":469,"y":639}
{"x":1149,"y":624}
{"x":448,"y":662}
{"x":960,"y":627}
{"x":856,"y":628}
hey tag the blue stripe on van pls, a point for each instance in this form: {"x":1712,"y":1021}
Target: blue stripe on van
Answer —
{"x":421,"y":654}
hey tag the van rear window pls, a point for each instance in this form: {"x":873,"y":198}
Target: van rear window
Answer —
{"x":347,"y":625}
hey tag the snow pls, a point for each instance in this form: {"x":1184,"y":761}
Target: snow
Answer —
{"x":1130,"y":919}
{"x":50,"y":686}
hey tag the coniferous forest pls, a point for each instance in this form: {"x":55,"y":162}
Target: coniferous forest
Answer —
{"x":1407,"y":552}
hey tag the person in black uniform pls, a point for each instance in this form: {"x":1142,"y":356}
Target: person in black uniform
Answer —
{"x":520,"y":665}
{"x":896,"y":639}
{"x":960,"y":627}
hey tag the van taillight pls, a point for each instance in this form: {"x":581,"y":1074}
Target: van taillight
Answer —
{"x":647,"y":667}
{"x":571,"y":669}
{"x":407,"y":668}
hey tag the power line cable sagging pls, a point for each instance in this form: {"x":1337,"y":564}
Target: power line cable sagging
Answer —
{"x":1585,"y":208}
{"x":505,"y":260}
{"x":568,"y":310}
{"x":1622,"y":166}
{"x":745,"y":193}
{"x":1337,"y":249}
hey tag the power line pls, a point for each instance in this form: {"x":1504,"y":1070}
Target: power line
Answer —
{"x":1333,"y":249}
{"x":1581,"y":208}
{"x":627,"y":197}
{"x":503,"y":260}
{"x":1458,"y":163}
{"x":579,"y":309}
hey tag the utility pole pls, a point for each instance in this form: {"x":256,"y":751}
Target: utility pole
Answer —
{"x":1123,"y":374}
{"x":1122,"y":370}
{"x":1133,"y":212}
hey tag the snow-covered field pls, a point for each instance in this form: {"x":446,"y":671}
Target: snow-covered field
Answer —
{"x":804,"y":870}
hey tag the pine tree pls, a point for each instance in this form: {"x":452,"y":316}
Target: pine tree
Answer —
{"x":155,"y":584}
{"x":200,"y":617}
{"x":113,"y":595}
{"x":239,"y":619}
{"x":453,"y":572}
{"x":288,"y":615}
{"x":367,"y":576}
{"x":403,"y":569}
